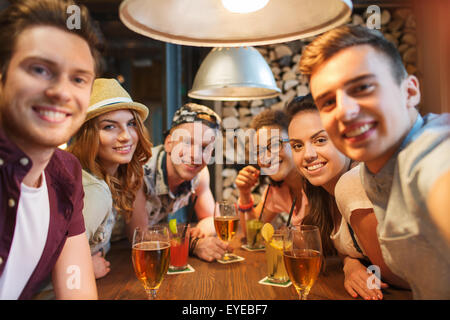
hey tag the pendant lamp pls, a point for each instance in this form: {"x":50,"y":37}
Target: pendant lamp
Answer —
{"x":227,"y":23}
{"x":232,"y":74}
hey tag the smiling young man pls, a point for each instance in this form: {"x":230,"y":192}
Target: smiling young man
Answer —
{"x":45,"y":87}
{"x":177,"y":172}
{"x":367,"y":104}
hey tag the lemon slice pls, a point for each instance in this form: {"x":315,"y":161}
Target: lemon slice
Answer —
{"x":173,"y":225}
{"x":277,"y":244}
{"x":267,"y":232}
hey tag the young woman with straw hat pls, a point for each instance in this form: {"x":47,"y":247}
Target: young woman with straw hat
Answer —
{"x":112,"y":146}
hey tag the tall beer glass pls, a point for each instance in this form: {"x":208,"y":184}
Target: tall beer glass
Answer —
{"x":226,"y":222}
{"x":151,"y":257}
{"x":302,"y":254}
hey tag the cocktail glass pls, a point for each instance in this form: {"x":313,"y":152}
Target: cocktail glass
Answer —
{"x":276,"y":271}
{"x":253,"y":232}
{"x":179,"y":248}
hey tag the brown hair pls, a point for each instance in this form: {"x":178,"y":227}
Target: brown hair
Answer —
{"x":270,"y":117}
{"x":322,"y":205}
{"x":23,"y":14}
{"x":128,"y":179}
{"x":300,"y":104}
{"x":335,"y":40}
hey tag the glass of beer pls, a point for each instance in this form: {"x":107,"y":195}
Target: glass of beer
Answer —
{"x":302,"y":254}
{"x":151,"y":256}
{"x":226,"y":222}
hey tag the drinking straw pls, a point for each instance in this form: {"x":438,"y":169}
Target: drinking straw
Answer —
{"x":260,"y":216}
{"x":290,"y":213}
{"x":191,"y":213}
{"x":264,"y":203}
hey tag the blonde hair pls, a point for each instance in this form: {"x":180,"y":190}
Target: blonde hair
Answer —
{"x":128,"y":179}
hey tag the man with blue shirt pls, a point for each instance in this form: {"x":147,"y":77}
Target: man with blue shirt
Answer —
{"x":367,"y":103}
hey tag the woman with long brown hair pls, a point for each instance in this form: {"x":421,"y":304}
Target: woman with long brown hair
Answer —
{"x":112,"y":146}
{"x":338,"y":204}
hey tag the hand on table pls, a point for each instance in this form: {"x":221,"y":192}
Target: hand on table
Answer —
{"x":101,"y":265}
{"x":355,"y":281}
{"x":196,"y":233}
{"x":211,"y":248}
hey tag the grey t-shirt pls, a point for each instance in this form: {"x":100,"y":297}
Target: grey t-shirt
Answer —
{"x":350,"y":196}
{"x":411,"y":244}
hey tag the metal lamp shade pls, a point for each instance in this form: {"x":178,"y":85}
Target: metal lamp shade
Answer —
{"x":232,"y":74}
{"x":207,"y":23}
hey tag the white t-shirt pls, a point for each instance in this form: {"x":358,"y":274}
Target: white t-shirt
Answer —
{"x":350,"y":196}
{"x":30,"y":236}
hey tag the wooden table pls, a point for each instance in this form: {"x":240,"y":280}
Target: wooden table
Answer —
{"x":215,"y":281}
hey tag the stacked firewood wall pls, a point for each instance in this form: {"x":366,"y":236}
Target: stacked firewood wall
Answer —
{"x":397,"y":24}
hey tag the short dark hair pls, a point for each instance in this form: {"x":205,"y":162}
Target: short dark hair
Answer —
{"x":270,"y":117}
{"x":300,"y":104}
{"x":335,"y":40}
{"x":23,"y":14}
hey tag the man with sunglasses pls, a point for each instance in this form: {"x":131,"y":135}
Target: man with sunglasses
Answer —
{"x":176,"y":174}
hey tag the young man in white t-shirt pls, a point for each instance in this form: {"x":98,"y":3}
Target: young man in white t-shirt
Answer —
{"x":47,"y":73}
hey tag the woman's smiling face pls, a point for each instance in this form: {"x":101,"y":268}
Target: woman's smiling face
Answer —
{"x":314,"y":154}
{"x":274,"y":153}
{"x":118,"y":139}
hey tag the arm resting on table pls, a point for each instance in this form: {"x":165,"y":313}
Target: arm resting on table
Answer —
{"x":73,"y":274}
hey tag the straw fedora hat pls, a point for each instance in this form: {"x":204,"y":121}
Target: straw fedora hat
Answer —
{"x":108,"y":95}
